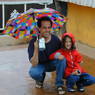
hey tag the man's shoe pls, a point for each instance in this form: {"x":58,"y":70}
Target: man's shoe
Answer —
{"x":60,"y":90}
{"x":39,"y":84}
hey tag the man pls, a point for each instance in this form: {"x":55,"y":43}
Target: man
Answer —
{"x":52,"y":43}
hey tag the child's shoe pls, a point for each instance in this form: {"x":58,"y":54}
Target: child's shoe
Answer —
{"x":71,"y":90}
{"x":81,"y":89}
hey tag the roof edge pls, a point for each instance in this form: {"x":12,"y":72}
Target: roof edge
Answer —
{"x":88,"y":3}
{"x":25,"y":2}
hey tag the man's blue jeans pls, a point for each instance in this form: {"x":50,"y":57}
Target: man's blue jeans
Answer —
{"x":38,"y":72}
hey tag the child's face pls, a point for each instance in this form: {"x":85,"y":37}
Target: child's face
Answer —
{"x":68,"y":43}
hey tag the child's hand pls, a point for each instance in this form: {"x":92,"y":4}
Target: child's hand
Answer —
{"x":60,"y":57}
{"x":81,"y":62}
{"x":76,"y":72}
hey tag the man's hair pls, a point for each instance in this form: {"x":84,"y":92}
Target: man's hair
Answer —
{"x":45,"y":18}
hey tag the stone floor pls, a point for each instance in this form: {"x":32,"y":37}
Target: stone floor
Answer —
{"x":14,"y":78}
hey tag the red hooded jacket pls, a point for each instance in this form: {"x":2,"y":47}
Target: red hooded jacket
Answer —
{"x":73,"y":58}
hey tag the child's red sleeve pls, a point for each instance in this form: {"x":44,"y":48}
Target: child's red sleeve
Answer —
{"x":79,"y":58}
{"x":52,"y":56}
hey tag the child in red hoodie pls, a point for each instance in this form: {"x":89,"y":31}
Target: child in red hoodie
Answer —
{"x":74,"y":73}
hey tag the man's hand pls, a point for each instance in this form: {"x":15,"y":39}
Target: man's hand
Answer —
{"x":34,"y":59}
{"x":60,"y":57}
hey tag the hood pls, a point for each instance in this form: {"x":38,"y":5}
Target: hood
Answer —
{"x":70,"y":35}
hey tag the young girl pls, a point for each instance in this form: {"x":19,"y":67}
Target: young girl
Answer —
{"x":74,"y":73}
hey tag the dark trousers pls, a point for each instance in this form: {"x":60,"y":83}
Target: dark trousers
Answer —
{"x":82,"y":80}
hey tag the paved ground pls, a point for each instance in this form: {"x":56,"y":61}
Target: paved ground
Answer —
{"x":14,"y":78}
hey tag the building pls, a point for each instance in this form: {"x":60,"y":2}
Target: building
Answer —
{"x":81,"y":20}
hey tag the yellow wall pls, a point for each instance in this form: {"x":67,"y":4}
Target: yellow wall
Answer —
{"x":81,"y":22}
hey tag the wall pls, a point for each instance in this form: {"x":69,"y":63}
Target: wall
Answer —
{"x":81,"y":22}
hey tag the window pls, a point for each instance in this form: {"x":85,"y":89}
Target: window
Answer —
{"x":37,"y":6}
{"x":9,"y":9}
{"x":0,"y":16}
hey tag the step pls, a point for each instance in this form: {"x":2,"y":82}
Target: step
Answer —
{"x":6,"y":40}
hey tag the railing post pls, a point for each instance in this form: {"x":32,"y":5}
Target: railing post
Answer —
{"x":3,"y":15}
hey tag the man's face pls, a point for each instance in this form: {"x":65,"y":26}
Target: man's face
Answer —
{"x":45,"y":28}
